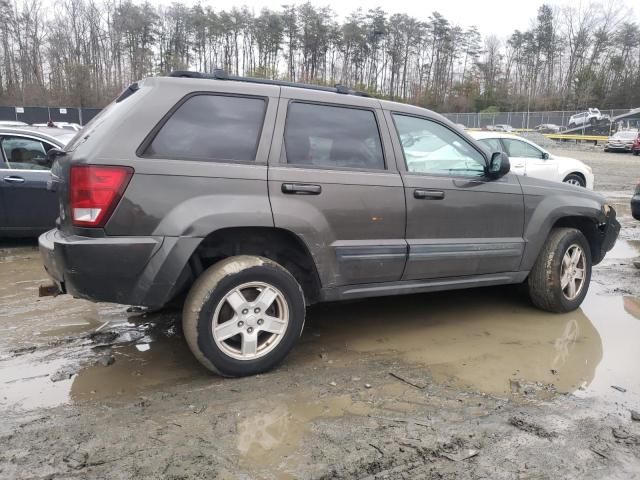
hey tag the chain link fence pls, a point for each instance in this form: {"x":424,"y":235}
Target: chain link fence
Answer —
{"x":521,"y":119}
{"x":44,"y":114}
{"x":470,"y":120}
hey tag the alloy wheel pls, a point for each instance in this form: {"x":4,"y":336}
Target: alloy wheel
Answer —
{"x":573,"y":272}
{"x":250,"y":320}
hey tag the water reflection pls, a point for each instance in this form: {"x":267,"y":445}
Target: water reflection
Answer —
{"x":478,"y":338}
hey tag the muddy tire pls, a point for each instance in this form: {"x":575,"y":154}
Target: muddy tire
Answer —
{"x":243,"y":315}
{"x":560,"y":277}
{"x":575,"y":179}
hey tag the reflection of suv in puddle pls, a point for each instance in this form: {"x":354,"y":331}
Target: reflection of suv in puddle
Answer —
{"x":258,"y":198}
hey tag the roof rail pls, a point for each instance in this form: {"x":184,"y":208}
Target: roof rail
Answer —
{"x":219,"y":74}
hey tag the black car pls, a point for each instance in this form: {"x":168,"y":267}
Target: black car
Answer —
{"x":635,"y":203}
{"x":27,"y":208}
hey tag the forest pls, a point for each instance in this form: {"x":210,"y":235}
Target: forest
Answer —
{"x":84,"y":52}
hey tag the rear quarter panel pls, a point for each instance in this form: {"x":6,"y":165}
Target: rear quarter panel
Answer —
{"x":180,"y":198}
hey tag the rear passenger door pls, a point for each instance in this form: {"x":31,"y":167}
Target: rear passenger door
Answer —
{"x":333,"y":182}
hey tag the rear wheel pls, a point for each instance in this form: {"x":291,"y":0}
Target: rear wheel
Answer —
{"x":575,"y":179}
{"x":636,"y":152}
{"x":560,"y":278}
{"x":243,"y":315}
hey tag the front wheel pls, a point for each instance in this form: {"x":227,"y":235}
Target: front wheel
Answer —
{"x":243,"y":315}
{"x":575,"y":179}
{"x":559,"y":280}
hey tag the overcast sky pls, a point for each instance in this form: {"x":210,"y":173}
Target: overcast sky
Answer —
{"x":500,"y":17}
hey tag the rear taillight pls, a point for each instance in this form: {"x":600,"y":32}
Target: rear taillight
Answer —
{"x":95,"y":191}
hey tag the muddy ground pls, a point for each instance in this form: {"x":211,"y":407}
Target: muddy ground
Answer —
{"x":469,"y":384}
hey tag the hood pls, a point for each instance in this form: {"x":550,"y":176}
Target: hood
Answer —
{"x":568,"y":163}
{"x":622,"y":140}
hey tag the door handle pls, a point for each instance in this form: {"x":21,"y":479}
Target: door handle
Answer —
{"x":428,"y":194}
{"x":13,"y":179}
{"x":301,"y":189}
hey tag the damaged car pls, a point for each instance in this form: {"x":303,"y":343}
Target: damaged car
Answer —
{"x":247,"y":200}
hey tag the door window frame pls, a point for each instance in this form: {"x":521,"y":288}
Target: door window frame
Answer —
{"x":4,"y":164}
{"x":402,"y":161}
{"x":377,"y":116}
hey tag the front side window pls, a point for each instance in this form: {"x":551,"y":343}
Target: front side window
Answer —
{"x":332,"y":137}
{"x":23,"y":153}
{"x":518,"y":148}
{"x":433,"y":149}
{"x":211,"y":127}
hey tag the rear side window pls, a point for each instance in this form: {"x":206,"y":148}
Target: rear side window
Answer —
{"x":332,"y":137}
{"x":521,"y":149}
{"x":493,"y":144}
{"x":211,"y":127}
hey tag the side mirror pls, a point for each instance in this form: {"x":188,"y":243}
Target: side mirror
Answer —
{"x":499,"y":165}
{"x":545,"y":156}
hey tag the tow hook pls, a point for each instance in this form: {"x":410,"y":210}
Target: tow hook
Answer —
{"x":51,"y":290}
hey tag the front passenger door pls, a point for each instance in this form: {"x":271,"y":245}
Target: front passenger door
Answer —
{"x":459,"y":222}
{"x":536,"y":166}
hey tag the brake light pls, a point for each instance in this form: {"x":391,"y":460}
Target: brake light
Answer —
{"x":95,"y":191}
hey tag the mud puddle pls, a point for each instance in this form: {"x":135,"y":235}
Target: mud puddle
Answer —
{"x":88,"y":369}
{"x":265,"y":440}
{"x":493,"y":341}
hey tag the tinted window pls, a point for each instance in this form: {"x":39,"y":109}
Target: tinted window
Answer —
{"x":432,"y":148}
{"x":324,"y":136}
{"x":493,"y":144}
{"x":208,"y":127}
{"x":518,"y":148}
{"x":25,"y":153}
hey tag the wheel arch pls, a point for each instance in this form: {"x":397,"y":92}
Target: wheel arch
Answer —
{"x":280,"y":245}
{"x":574,"y":211}
{"x":589,"y":228}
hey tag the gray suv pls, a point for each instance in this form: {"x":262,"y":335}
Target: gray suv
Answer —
{"x":248,"y":200}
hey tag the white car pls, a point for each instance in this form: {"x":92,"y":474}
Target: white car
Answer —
{"x":502,"y":127}
{"x":12,"y":123}
{"x":532,"y":160}
{"x":591,"y":117}
{"x":66,"y":125}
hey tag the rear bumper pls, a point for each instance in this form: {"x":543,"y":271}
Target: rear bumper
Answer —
{"x":143,"y":271}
